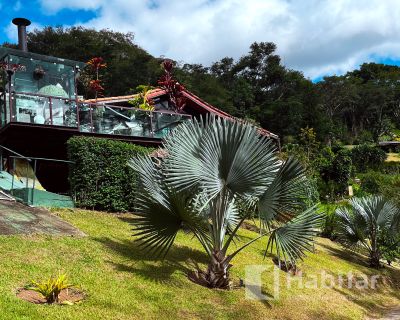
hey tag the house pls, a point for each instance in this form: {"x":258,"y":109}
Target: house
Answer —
{"x":40,"y":110}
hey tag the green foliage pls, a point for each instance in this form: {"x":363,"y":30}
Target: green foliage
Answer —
{"x":142,"y":101}
{"x":128,"y":65}
{"x":372,"y":182}
{"x":212,"y":164}
{"x":387,"y":185}
{"x":367,"y":157}
{"x":360,"y":106}
{"x":331,"y":220}
{"x":389,"y":246}
{"x":100,"y":177}
{"x":51,"y":288}
{"x":335,"y":170}
{"x":364,"y":222}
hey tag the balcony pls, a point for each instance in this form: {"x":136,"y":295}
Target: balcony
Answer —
{"x":37,"y":109}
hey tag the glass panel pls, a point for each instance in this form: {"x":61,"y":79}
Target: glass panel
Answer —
{"x":121,"y":121}
{"x":30,"y":109}
{"x":3,"y":110}
{"x":64,"y":112}
{"x":45,"y":78}
{"x":84,"y":118}
{"x":164,"y":123}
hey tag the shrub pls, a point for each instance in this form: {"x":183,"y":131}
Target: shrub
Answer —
{"x":100,"y":177}
{"x":387,"y":185}
{"x":335,"y":171}
{"x":390,"y":247}
{"x":366,"y":157}
{"x":330,"y":222}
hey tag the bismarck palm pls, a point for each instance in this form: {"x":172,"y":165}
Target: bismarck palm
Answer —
{"x":210,"y":167}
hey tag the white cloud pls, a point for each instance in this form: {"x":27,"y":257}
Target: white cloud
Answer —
{"x":17,"y":6}
{"x":12,"y":32}
{"x":315,"y":36}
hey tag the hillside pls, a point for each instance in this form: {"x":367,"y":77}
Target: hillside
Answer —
{"x":122,"y":283}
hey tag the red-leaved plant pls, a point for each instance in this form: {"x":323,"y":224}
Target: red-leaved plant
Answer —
{"x":95,"y":64}
{"x":11,"y":68}
{"x":173,"y":88}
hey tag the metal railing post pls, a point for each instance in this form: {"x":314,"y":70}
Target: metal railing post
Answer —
{"x":77,"y":115}
{"x":51,"y":110}
{"x":34,"y":181}
{"x":151,"y":124}
{"x":91,"y":118}
{"x":13,"y":174}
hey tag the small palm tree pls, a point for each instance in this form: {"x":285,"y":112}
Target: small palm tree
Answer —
{"x":362,"y":223}
{"x":211,"y":166}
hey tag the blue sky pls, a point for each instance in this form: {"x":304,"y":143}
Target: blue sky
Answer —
{"x":318,"y":37}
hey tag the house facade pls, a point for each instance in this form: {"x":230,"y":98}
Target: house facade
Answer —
{"x":40,"y":110}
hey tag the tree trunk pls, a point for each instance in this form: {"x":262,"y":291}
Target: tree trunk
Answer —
{"x":374,"y":259}
{"x":217,"y":273}
{"x":375,"y":255}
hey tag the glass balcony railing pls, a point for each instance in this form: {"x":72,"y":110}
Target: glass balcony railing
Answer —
{"x":115,"y":120}
{"x":40,"y":109}
{"x":92,"y":118}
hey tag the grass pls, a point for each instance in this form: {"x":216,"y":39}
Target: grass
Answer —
{"x":393,"y":157}
{"x":122,"y":283}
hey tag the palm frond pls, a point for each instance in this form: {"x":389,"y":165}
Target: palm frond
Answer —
{"x":285,"y":195}
{"x":364,"y":218}
{"x":149,"y":176}
{"x":352,"y":229}
{"x":157,"y":222}
{"x":295,"y":237}
{"x":218,"y":154}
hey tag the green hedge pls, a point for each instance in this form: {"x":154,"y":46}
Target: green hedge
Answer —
{"x":100,"y":177}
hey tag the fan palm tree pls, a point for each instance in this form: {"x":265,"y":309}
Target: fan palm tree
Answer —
{"x":362,"y":223}
{"x":211,"y":165}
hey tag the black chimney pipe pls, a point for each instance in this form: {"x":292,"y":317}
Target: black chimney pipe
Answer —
{"x":22,"y":23}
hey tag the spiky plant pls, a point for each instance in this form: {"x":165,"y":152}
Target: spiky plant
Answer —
{"x":51,"y":288}
{"x":211,"y":164}
{"x":362,"y":223}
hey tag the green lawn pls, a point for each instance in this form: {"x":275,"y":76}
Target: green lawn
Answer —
{"x":122,"y":283}
{"x":393,"y":157}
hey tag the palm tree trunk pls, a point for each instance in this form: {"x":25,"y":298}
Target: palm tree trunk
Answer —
{"x":217,"y":273}
{"x":374,"y":257}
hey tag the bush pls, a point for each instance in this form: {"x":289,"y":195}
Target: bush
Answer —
{"x":367,"y":157}
{"x":100,"y":177}
{"x":330,"y":222}
{"x":385,"y":184}
{"x":335,"y":171}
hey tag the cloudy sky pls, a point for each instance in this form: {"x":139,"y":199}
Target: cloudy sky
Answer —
{"x":318,"y":37}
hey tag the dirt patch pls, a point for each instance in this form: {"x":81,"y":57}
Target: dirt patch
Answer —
{"x":248,"y":226}
{"x":66,"y":296}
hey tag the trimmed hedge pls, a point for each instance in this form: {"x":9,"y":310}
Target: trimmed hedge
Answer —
{"x":100,"y":177}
